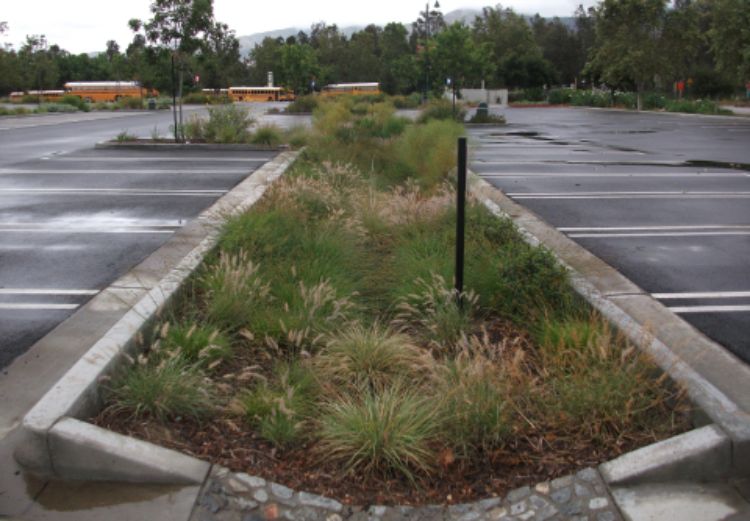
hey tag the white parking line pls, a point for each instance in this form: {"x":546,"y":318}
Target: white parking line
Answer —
{"x":702,"y":294}
{"x":709,"y":309}
{"x":38,"y":306}
{"x":604,"y":175}
{"x":654,"y":234}
{"x":574,"y":229}
{"x":112,"y":191}
{"x":182,"y":171}
{"x":629,"y":195}
{"x":183,"y":159}
{"x":39,"y":291}
{"x":103,"y":228}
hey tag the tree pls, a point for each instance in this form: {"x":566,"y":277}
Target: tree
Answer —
{"x":511,"y":45}
{"x":180,"y":26}
{"x":300,"y":67}
{"x":458,"y":57}
{"x":730,"y":37}
{"x":629,"y":42}
{"x":265,"y":58}
{"x":219,"y":60}
{"x":399,"y":72}
{"x":38,"y":68}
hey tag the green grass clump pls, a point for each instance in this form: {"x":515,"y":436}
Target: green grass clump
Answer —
{"x":234,"y":291}
{"x":476,"y":403}
{"x":297,"y":137}
{"x":196,"y":98}
{"x":130,"y":103}
{"x":695,"y":107}
{"x":225,"y":124}
{"x":598,"y":385}
{"x":196,"y":344}
{"x":55,"y":107}
{"x":268,"y":135}
{"x":167,"y":390}
{"x":371,"y":358}
{"x":386,"y":432}
{"x":280,"y":408}
{"x":125,"y":137}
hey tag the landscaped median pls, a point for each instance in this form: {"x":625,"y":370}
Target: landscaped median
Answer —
{"x":320,"y":345}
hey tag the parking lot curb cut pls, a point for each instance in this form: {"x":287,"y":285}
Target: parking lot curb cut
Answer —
{"x":54,"y":442}
{"x":716,"y":381}
{"x":701,"y":455}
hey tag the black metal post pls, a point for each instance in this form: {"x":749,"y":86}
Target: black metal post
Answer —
{"x":174,"y":104}
{"x":460,"y":220}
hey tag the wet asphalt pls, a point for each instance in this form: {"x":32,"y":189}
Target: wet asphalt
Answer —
{"x":74,"y":218}
{"x":663,"y":198}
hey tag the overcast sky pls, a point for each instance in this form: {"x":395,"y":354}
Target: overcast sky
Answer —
{"x":86,"y":25}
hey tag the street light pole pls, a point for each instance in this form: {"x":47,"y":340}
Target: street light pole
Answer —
{"x":427,"y":47}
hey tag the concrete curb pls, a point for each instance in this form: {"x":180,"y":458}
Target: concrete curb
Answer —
{"x":141,"y":145}
{"x":715,"y":380}
{"x":57,"y":444}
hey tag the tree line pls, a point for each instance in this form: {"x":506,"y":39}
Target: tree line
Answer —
{"x":625,"y":44}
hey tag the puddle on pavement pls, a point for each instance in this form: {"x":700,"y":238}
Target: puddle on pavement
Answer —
{"x":62,"y":496}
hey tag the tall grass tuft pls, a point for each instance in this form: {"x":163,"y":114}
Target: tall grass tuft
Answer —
{"x":268,"y":135}
{"x":371,"y":358}
{"x":426,"y":153}
{"x":234,"y":290}
{"x":388,"y":432}
{"x":433,"y":312}
{"x":196,"y":344}
{"x":167,"y":390}
{"x":281,"y":407}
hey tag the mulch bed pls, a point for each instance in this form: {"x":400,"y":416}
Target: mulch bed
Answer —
{"x":526,"y":460}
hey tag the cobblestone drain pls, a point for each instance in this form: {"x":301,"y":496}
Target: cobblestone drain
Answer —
{"x":230,"y":496}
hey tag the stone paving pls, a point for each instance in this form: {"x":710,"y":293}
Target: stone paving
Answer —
{"x":230,"y":496}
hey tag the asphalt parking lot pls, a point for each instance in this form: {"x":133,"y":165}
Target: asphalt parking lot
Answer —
{"x":73,"y":222}
{"x":663,"y":198}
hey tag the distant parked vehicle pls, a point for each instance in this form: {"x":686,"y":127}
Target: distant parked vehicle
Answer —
{"x":108,"y":90}
{"x":352,"y":89}
{"x":48,"y":96}
{"x":260,"y":94}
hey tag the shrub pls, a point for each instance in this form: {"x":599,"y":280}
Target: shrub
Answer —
{"x":695,"y":107}
{"x":427,"y":153}
{"x":75,"y":101}
{"x":487,"y":119}
{"x":168,"y":390}
{"x":196,"y":98}
{"x":227,"y":124}
{"x":390,"y":432}
{"x":194,"y":128}
{"x":30,"y":98}
{"x":628,"y":100}
{"x":302,"y":105}
{"x":590,"y":98}
{"x":653,"y":100}
{"x":130,"y":102}
{"x":441,"y":109}
{"x":124,"y":137}
{"x":55,"y":107}
{"x":370,"y":358}
{"x":297,"y":137}
{"x":268,"y":135}
{"x":412,"y":101}
{"x":560,"y":96}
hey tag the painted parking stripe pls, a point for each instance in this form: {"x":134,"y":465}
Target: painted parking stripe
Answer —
{"x":182,"y":171}
{"x":709,"y":309}
{"x":37,"y":306}
{"x":657,"y":234}
{"x":702,"y":295}
{"x":604,"y":175}
{"x":112,"y":191}
{"x":40,"y":291}
{"x":181,"y":159}
{"x":697,"y":227}
{"x":75,"y":228}
{"x":631,"y":195}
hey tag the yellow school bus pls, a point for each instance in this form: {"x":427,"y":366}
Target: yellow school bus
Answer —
{"x":353,"y":89}
{"x":48,"y":96}
{"x":108,"y":90}
{"x":260,"y":94}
